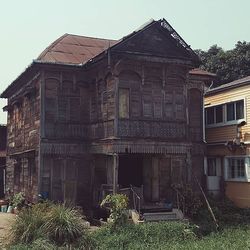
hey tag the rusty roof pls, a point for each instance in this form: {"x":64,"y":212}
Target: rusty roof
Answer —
{"x":77,"y":50}
{"x":198,"y":71}
{"x":74,"y":49}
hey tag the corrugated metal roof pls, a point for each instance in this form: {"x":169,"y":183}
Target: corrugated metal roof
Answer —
{"x":234,"y":84}
{"x":73,"y":49}
{"x":198,"y":71}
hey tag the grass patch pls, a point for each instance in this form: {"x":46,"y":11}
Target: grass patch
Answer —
{"x":143,"y":236}
{"x":50,"y":226}
{"x":170,"y":235}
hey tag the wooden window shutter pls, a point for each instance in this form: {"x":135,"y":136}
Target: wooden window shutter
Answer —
{"x":74,"y":109}
{"x":62,"y":109}
{"x":123,"y":103}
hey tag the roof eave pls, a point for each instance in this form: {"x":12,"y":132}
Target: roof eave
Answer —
{"x":29,"y":69}
{"x":6,"y":92}
{"x":215,"y":91}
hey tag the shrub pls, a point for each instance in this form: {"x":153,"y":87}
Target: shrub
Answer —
{"x":190,"y":199}
{"x":27,"y":226}
{"x":47,"y":226}
{"x":18,"y":200}
{"x":225,"y":212}
{"x":117,"y":203}
{"x":63,"y":225}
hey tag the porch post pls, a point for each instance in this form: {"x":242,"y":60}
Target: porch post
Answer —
{"x":115,"y":172}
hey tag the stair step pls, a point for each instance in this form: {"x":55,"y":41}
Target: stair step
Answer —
{"x":161,"y":216}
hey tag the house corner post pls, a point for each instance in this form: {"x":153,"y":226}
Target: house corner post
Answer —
{"x":42,"y":131}
{"x":115,"y":172}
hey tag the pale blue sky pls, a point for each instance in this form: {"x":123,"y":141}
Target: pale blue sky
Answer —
{"x":29,"y":26}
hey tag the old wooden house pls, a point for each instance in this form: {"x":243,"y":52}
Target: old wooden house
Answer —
{"x":3,"y":138}
{"x":90,"y":116}
{"x":227,"y":167}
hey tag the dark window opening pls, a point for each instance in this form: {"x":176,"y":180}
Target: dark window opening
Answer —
{"x":210,"y":115}
{"x":230,"y":112}
{"x":211,"y":166}
{"x":219,"y":114}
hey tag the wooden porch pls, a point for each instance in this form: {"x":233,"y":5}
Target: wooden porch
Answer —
{"x":148,"y":181}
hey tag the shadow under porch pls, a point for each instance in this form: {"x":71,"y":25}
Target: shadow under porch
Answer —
{"x":149,"y":177}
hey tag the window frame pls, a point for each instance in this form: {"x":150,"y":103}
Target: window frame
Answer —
{"x":120,"y":114}
{"x":225,"y":122}
{"x":246,"y":177}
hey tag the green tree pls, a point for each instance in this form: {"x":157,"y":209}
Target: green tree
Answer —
{"x":228,"y":65}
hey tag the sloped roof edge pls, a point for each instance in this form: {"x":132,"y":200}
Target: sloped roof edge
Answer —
{"x":145,"y":26}
{"x":162,"y":22}
{"x":234,"y":84}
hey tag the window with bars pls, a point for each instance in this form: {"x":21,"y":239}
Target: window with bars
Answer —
{"x":236,"y":168}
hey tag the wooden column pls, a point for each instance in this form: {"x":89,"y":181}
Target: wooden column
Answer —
{"x":115,"y":172}
{"x":116,"y":120}
{"x":42,"y":131}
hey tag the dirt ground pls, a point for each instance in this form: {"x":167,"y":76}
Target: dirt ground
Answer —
{"x":5,"y":223}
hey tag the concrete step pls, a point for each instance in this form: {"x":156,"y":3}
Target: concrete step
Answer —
{"x":175,"y":214}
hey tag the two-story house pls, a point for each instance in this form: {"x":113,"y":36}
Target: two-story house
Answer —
{"x":3,"y":138}
{"x":228,"y":140}
{"x":92,"y":114}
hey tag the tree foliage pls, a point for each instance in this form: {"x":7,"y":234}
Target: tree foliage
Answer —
{"x":229,"y":65}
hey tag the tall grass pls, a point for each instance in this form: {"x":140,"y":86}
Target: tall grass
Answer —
{"x":170,"y":236}
{"x":27,"y":226}
{"x":49,"y":226}
{"x":144,"y":236}
{"x":63,"y":225}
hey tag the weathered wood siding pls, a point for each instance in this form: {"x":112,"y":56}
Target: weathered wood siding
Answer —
{"x":23,"y":132}
{"x":66,"y":105}
{"x":24,"y":121}
{"x":67,"y":179}
{"x":102,"y":107}
{"x":156,"y":104}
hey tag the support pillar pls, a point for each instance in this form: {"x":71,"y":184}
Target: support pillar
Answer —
{"x":115,"y":172}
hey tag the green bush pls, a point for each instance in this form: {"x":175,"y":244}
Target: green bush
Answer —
{"x":27,"y":226}
{"x":63,"y":225}
{"x":17,"y":200}
{"x":49,"y":226}
{"x":117,"y":204}
{"x":190,"y":200}
{"x":225,"y":212}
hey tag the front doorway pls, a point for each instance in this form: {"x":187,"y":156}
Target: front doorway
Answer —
{"x":130,"y":170}
{"x":214,"y":175}
{"x":154,"y":174}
